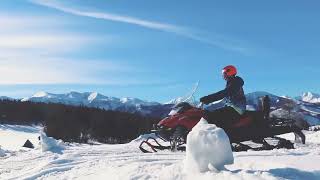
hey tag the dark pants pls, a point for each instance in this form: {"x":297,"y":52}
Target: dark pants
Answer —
{"x":223,"y":117}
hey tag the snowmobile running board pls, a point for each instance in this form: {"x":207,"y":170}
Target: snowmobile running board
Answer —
{"x":238,"y":147}
{"x":157,"y":147}
{"x":154,"y":148}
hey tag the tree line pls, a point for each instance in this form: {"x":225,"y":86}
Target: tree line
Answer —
{"x":76,"y":123}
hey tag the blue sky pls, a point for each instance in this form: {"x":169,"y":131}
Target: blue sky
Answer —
{"x":157,"y":50}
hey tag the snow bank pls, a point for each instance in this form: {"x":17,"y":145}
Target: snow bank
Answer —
{"x":314,"y":137}
{"x":51,"y":144}
{"x":208,"y":148}
{"x":12,"y":137}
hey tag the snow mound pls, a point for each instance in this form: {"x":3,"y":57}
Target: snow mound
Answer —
{"x":208,"y":148}
{"x":2,"y":152}
{"x":51,"y":144}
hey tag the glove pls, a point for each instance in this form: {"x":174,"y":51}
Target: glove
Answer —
{"x":205,"y":100}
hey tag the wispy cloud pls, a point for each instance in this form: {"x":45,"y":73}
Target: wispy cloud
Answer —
{"x":189,"y":33}
{"x":44,"y":34}
{"x":44,"y":70}
{"x":35,"y":51}
{"x":110,"y":17}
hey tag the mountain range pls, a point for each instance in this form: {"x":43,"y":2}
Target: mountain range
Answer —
{"x":308,"y":103}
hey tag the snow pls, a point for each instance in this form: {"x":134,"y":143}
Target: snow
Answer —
{"x":40,"y":94}
{"x":50,"y":144}
{"x":137,"y":102}
{"x":13,"y":137}
{"x":92,"y":96}
{"x":176,"y":100}
{"x":125,"y":161}
{"x":310,"y":97}
{"x":208,"y":148}
{"x":314,"y":128}
{"x":2,"y":152}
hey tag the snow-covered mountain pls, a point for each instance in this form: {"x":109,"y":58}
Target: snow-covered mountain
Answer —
{"x":310,"y":97}
{"x":97,"y":100}
{"x":88,"y":98}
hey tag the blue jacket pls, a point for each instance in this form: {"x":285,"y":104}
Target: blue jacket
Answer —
{"x":233,"y":94}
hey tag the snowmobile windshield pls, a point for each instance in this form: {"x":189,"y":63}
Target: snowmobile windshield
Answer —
{"x":179,"y":108}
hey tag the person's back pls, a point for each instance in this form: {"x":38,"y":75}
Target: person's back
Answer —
{"x":233,"y":94}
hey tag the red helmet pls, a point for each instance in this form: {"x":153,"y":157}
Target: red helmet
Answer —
{"x":229,"y":71}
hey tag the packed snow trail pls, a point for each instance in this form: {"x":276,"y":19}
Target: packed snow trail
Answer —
{"x":78,"y":161}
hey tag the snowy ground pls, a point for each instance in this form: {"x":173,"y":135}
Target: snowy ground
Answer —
{"x":127,"y":162}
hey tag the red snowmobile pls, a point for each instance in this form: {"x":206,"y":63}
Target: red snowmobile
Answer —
{"x":255,"y":126}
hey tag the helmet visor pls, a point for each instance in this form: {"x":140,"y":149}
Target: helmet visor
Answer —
{"x":224,"y":74}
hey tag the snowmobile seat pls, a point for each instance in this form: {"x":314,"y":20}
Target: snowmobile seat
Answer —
{"x":256,"y":117}
{"x":243,"y":122}
{"x":249,"y":118}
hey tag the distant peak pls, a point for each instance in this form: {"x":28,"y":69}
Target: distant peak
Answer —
{"x":310,"y":97}
{"x":309,"y":94}
{"x":125,"y":99}
{"x":40,"y":94}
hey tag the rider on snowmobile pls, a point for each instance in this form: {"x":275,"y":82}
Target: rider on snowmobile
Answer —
{"x":234,"y":96}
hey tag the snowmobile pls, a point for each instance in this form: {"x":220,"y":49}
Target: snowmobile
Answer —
{"x":254,"y":126}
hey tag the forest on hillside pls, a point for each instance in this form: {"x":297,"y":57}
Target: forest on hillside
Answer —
{"x":76,"y":123}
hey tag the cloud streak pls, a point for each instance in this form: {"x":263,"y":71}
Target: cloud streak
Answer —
{"x":220,"y":42}
{"x":44,"y":70}
{"x":110,"y":17}
{"x":34,"y":51}
{"x":33,"y":35}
